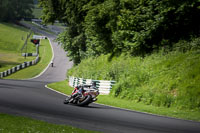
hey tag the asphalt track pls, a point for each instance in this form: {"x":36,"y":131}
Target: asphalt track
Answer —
{"x":30,"y":98}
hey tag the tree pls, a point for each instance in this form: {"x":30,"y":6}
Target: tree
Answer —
{"x":134,"y":27}
{"x":15,"y":9}
{"x":99,"y":24}
{"x":144,"y":25}
{"x":72,"y":14}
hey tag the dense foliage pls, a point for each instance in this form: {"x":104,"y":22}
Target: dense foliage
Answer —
{"x":160,"y":79}
{"x":135,"y":27}
{"x":12,"y":10}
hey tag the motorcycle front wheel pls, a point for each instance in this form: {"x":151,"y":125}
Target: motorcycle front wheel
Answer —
{"x":67,"y":100}
{"x":85,"y":102}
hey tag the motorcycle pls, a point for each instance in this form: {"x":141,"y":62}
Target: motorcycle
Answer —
{"x":88,"y":96}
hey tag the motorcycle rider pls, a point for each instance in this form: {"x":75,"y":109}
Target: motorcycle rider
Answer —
{"x":94,"y":86}
{"x":80,"y":91}
{"x":77,"y":94}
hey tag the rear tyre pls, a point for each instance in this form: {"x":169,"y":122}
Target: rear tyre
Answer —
{"x":85,"y":102}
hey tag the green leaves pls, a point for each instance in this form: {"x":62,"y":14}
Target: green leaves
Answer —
{"x":135,"y":27}
{"x":15,"y":9}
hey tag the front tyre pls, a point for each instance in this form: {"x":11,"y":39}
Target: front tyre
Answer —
{"x":66,"y":101}
{"x":86,"y":101}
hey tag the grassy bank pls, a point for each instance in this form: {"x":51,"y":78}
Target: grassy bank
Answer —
{"x":160,"y":79}
{"x":29,"y":72}
{"x":132,"y":105}
{"x":12,"y":38}
{"x":15,"y":124}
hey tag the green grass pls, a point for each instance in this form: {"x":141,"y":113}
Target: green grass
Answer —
{"x":10,"y":59}
{"x":160,"y":79}
{"x":16,"y":124}
{"x":12,"y":38}
{"x":63,"y":87}
{"x":29,"y":72}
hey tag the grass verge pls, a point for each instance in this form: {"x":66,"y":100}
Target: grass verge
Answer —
{"x":16,"y":124}
{"x":10,"y":59}
{"x":12,"y":38}
{"x":29,"y":72}
{"x":128,"y":104}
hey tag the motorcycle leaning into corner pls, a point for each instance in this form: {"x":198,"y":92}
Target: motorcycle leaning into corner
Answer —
{"x":83,"y":95}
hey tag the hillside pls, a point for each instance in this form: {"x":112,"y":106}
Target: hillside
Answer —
{"x":169,"y":79}
{"x":12,"y":38}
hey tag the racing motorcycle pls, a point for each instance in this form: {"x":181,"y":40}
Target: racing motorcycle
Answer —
{"x":89,"y":94}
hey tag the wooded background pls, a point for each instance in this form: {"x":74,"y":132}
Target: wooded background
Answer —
{"x":134,"y":27}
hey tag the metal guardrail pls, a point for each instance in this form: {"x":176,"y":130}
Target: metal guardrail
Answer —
{"x":29,"y":54}
{"x":19,"y":67}
{"x":25,"y":64}
{"x":104,"y":86}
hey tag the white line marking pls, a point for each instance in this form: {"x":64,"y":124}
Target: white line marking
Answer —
{"x":124,"y":108}
{"x":56,"y":91}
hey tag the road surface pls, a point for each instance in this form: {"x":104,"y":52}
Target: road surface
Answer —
{"x":30,"y":98}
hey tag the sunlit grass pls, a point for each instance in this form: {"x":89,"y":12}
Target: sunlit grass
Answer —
{"x":29,"y":72}
{"x":12,"y":39}
{"x":16,"y":124}
{"x":160,"y":79}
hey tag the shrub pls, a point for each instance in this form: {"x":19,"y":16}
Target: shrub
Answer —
{"x":162,"y":79}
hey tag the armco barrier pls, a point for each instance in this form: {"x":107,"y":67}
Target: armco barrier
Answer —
{"x":104,"y":86}
{"x":19,"y":67}
{"x":29,"y":54}
{"x":25,"y":64}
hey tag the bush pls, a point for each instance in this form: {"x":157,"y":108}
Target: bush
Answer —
{"x":160,"y":79}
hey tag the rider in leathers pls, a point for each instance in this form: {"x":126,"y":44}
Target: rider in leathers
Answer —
{"x":80,"y":91}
